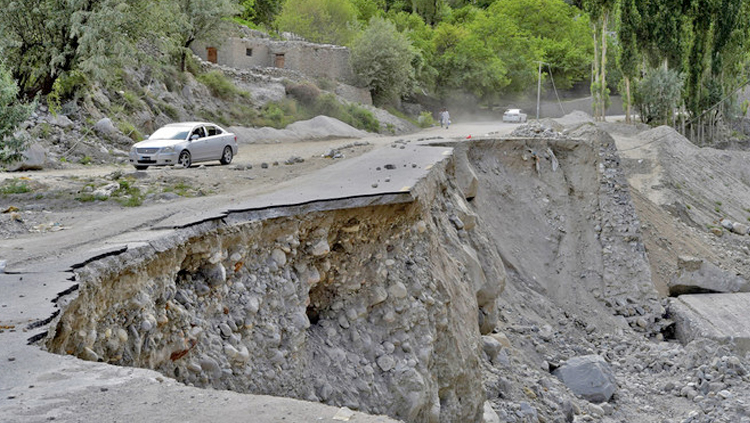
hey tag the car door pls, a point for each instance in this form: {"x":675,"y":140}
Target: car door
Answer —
{"x":200,"y":146}
{"x":214,"y":140}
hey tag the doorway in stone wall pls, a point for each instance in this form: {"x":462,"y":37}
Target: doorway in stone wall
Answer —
{"x":279,"y":63}
{"x":212,"y":57}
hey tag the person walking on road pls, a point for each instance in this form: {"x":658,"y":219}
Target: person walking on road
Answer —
{"x":445,"y":118}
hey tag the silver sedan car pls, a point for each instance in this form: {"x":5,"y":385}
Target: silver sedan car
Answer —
{"x":183,"y":144}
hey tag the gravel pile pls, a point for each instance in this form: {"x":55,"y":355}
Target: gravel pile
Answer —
{"x":537,"y":130}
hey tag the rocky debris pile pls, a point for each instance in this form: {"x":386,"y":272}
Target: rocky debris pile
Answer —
{"x":59,"y":140}
{"x":317,"y":128}
{"x":642,"y":380}
{"x":574,"y":119}
{"x":537,"y":130}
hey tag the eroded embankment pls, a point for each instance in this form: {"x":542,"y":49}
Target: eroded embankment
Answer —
{"x":376,"y":308}
{"x":382,"y":308}
{"x":561,"y":216}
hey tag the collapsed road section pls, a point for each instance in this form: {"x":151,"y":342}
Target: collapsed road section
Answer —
{"x":385,"y":300}
{"x":373,"y":307}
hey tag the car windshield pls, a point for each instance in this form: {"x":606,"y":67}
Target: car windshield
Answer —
{"x":170,"y":133}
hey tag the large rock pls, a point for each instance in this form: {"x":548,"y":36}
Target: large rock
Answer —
{"x":695,"y":276}
{"x":61,"y":121}
{"x":588,"y":376}
{"x":33,"y":159}
{"x":721,"y":317}
{"x":467,"y":180}
{"x":105,"y":126}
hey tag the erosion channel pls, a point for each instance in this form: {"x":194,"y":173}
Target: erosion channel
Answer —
{"x":449,"y":303}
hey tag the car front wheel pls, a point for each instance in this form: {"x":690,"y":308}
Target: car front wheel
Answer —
{"x":184,"y":160}
{"x":227,"y":156}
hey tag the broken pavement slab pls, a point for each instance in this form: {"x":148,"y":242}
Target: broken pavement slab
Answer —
{"x":695,"y":276}
{"x":721,"y":317}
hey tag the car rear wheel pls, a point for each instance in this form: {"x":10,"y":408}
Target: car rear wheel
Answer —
{"x":184,"y":160}
{"x":226,"y":156}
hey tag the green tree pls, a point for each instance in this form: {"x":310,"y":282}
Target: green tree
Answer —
{"x":420,"y":35}
{"x":319,"y":21}
{"x":12,"y":113}
{"x":465,"y":61}
{"x":384,"y":59}
{"x":629,"y":57}
{"x":658,"y":94}
{"x":198,"y":19}
{"x":261,"y":12}
{"x":601,"y":11}
{"x":553,"y":32}
{"x":44,"y":39}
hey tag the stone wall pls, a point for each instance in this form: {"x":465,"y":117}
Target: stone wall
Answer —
{"x":315,"y":60}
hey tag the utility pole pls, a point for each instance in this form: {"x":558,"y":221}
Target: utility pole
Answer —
{"x":538,"y":90}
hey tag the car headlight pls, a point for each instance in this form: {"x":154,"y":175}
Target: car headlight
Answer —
{"x":167,"y":150}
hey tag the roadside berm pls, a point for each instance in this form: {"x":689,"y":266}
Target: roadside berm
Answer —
{"x":510,"y":283}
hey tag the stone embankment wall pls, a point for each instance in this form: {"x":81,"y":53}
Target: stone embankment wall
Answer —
{"x":376,"y":308}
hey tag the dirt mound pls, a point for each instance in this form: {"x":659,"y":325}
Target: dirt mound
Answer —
{"x":317,"y":128}
{"x":575,"y":118}
{"x":685,"y":192}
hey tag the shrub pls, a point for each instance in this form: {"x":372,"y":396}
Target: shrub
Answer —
{"x":363,"y":118}
{"x":304,"y":93}
{"x":425,"y":120}
{"x":14,"y":186}
{"x":129,"y":130}
{"x":12,"y":113}
{"x":658,"y":94}
{"x":128,"y":195}
{"x":382,"y":57}
{"x":220,"y":86}
{"x":65,"y":88}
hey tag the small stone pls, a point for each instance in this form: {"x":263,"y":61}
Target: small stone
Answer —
{"x":278,"y":256}
{"x":398,"y":290}
{"x":226,"y":331}
{"x":386,"y":362}
{"x":379,"y":294}
{"x":321,"y":248}
{"x":595,"y":410}
{"x":89,"y":355}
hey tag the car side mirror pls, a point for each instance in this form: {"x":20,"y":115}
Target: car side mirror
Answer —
{"x":194,"y":137}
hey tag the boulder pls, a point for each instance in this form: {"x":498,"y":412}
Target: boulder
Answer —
{"x":695,"y":276}
{"x":467,"y":180}
{"x":61,"y":121}
{"x":33,"y":159}
{"x":105,"y":126}
{"x":588,"y":376}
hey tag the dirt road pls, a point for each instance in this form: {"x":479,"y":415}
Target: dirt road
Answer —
{"x":61,"y":207}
